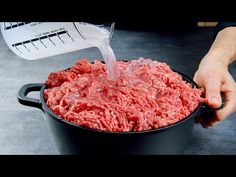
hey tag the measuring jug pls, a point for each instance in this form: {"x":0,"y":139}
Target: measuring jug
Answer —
{"x":35,"y":40}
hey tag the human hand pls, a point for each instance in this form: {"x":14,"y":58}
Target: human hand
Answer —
{"x":213,"y":76}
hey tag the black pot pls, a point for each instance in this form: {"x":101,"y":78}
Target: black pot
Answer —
{"x":74,"y":139}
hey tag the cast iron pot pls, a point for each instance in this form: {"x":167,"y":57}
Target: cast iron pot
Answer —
{"x":74,"y":139}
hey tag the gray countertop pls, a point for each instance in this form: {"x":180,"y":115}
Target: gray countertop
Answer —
{"x":24,"y":130}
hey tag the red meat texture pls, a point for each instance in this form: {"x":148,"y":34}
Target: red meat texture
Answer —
{"x":147,"y":95}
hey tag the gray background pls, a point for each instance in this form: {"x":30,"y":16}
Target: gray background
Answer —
{"x":24,"y":130}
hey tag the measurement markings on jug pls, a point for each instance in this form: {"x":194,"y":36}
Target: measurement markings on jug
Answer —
{"x":25,"y":46}
{"x":32,"y":42}
{"x":60,"y":39}
{"x":42,"y":43}
{"x":42,"y":38}
{"x":15,"y":25}
{"x":17,"y":48}
{"x":49,"y":37}
{"x":70,"y":36}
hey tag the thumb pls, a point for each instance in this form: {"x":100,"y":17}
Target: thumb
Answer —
{"x":230,"y":106}
{"x":212,"y":89}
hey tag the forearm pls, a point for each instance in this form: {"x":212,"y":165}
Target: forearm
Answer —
{"x":224,"y":46}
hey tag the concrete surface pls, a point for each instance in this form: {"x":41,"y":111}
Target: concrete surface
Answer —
{"x":24,"y":130}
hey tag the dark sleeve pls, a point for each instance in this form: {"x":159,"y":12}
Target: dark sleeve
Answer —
{"x":222,"y":25}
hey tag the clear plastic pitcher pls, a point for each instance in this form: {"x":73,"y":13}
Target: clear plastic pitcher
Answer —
{"x":35,"y":40}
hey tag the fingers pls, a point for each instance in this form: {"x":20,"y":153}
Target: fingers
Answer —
{"x":230,"y":104}
{"x":212,"y":85}
{"x":212,"y":88}
{"x":207,"y":121}
{"x":210,"y":120}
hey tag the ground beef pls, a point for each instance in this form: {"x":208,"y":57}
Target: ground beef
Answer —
{"x":147,"y":95}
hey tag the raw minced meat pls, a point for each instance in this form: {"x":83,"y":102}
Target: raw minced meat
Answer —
{"x":147,"y":95}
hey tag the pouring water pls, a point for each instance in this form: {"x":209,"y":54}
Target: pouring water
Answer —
{"x":38,"y":40}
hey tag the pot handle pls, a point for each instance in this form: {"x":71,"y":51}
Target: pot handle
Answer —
{"x":207,"y":109}
{"x":27,"y":101}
